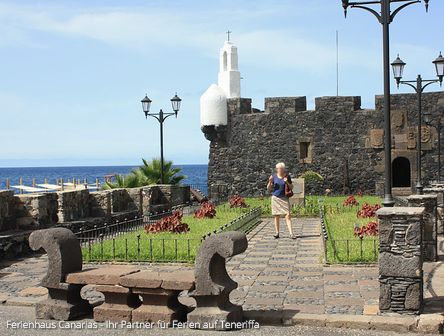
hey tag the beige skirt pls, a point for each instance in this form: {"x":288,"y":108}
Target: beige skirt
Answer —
{"x":280,"y":206}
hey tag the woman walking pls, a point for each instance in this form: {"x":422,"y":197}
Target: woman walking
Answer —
{"x":280,"y":186}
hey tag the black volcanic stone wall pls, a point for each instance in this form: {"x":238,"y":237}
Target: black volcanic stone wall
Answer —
{"x":337,"y":129}
{"x":432,"y":102}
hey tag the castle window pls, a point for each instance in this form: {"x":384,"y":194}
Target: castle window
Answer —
{"x":305,"y":151}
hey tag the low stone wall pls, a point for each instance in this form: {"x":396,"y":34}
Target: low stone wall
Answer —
{"x":14,"y":243}
{"x":73,"y":205}
{"x":36,"y":211}
{"x":7,"y":221}
{"x":90,"y":223}
{"x":218,"y":192}
{"x":80,"y":209}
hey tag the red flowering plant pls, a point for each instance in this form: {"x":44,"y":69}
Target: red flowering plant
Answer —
{"x":371,"y":229}
{"x":172,"y":223}
{"x":206,"y":210}
{"x":351,"y":201}
{"x":237,"y":201}
{"x":368,"y":211}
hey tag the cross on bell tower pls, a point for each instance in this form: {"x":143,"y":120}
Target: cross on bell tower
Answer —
{"x":228,"y":35}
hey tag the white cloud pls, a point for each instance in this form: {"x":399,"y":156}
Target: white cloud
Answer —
{"x":143,"y":30}
{"x":201,"y":30}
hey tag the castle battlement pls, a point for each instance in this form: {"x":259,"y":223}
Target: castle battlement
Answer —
{"x":330,"y":104}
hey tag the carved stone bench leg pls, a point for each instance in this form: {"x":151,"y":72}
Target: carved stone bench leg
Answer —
{"x":63,"y":304}
{"x":214,"y":284}
{"x":118,"y":306}
{"x":159,"y":305}
{"x":212,"y":308}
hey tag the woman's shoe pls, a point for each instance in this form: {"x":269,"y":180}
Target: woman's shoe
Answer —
{"x":276,"y":236}
{"x":293,"y":236}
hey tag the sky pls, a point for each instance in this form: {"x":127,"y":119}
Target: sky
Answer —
{"x":72,"y":73}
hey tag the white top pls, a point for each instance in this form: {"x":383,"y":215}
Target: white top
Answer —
{"x":213,"y":107}
{"x":229,"y":75}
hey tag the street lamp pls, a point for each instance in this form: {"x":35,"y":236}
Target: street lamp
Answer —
{"x":385,"y":17}
{"x":419,"y":86}
{"x":161,"y":117}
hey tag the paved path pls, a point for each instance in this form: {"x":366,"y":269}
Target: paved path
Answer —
{"x":27,"y":314}
{"x":287,"y":275}
{"x":278,"y":275}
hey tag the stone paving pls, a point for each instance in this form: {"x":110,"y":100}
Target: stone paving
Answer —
{"x":287,"y":275}
{"x":281,"y":275}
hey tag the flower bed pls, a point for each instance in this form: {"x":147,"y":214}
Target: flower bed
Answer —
{"x":169,"y":239}
{"x":352,"y":233}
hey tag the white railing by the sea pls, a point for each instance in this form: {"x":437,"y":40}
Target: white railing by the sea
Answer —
{"x":48,"y":187}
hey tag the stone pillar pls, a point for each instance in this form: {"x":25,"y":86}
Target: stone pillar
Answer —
{"x":400,"y":260}
{"x":439,"y":192}
{"x":429,"y":228}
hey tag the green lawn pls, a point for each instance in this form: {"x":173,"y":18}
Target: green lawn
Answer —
{"x":311,"y":208}
{"x":343,"y":246}
{"x":165,"y":246}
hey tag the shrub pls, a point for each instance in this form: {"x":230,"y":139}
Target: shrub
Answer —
{"x":171,"y":224}
{"x":371,"y":229}
{"x":368,"y":211}
{"x":237,"y":201}
{"x":311,"y":176}
{"x":351,"y":201}
{"x":206,"y":210}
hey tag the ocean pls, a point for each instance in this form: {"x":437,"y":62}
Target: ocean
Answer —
{"x":196,"y":174}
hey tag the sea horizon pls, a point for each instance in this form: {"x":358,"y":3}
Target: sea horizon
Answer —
{"x":196,"y":174}
{"x":99,"y":165}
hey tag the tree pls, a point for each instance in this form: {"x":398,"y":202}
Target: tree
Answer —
{"x":151,"y":172}
{"x":124,"y":181}
{"x":147,"y":174}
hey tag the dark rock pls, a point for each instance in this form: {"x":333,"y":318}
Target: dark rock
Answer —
{"x":413,"y":297}
{"x":213,"y":284}
{"x":64,"y":256}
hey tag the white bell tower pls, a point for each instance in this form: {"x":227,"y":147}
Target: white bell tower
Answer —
{"x":229,"y":76}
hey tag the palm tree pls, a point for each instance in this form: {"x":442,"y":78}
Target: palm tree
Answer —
{"x":151,"y":172}
{"x":124,"y":181}
{"x":147,"y":174}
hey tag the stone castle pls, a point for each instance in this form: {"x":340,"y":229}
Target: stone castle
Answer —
{"x":338,"y":139}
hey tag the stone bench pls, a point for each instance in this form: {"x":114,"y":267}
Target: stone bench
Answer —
{"x":122,"y":285}
{"x":119,"y":301}
{"x":159,"y":292}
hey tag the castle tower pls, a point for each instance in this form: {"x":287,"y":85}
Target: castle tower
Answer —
{"x":229,"y":75}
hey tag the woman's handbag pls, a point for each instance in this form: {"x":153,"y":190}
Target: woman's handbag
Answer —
{"x":288,"y":192}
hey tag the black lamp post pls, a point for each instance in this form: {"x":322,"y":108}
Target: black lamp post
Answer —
{"x":385,"y":17}
{"x":419,"y":85}
{"x":161,"y":117}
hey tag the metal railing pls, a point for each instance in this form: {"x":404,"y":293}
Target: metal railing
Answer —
{"x":346,"y":251}
{"x":117,"y":227}
{"x":202,"y":187}
{"x":142,"y":249}
{"x":107,"y":243}
{"x":244,"y":223}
